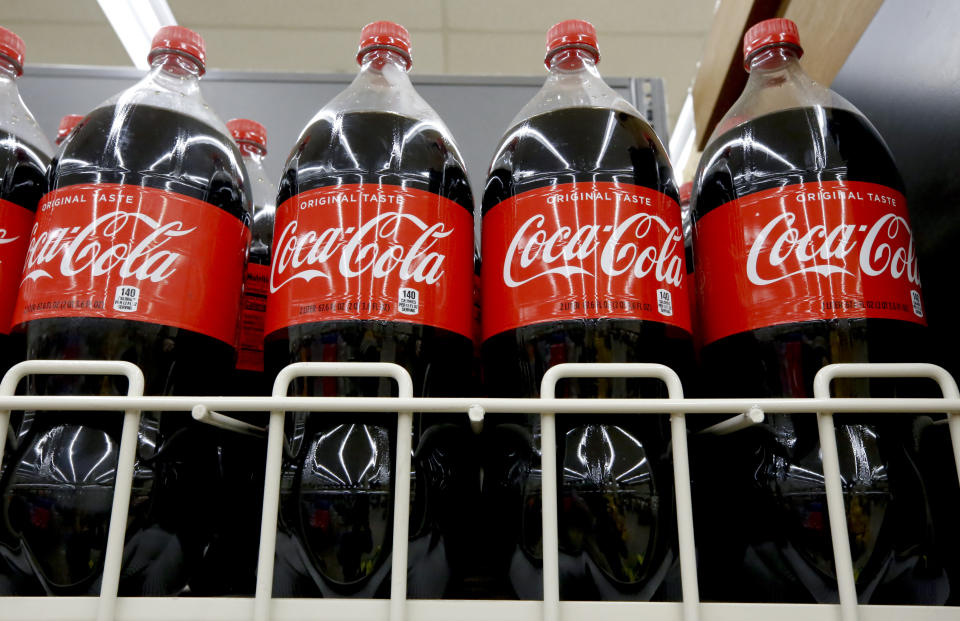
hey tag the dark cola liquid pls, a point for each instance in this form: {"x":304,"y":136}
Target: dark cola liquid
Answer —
{"x":763,"y":530}
{"x":617,"y":522}
{"x":57,"y":491}
{"x":23,"y":181}
{"x":336,"y":513}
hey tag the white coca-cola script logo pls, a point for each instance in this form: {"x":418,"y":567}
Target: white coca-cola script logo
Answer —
{"x":382,"y":246}
{"x":884,"y":249}
{"x":113,"y":242}
{"x":640,"y":245}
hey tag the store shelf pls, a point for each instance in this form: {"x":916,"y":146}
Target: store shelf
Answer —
{"x":216,"y":411}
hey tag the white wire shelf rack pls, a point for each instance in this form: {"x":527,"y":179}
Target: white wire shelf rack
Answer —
{"x":263,"y":607}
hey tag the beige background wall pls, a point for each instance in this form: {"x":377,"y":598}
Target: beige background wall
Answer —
{"x":661,"y":38}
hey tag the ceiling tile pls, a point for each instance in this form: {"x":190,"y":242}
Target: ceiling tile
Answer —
{"x":322,"y":51}
{"x":306,"y":14}
{"x":641,"y":16}
{"x":73,"y":44}
{"x":51,"y":12}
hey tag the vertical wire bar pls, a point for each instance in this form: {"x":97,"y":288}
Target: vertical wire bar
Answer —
{"x":126,"y":461}
{"x":550,"y":482}
{"x":401,"y":504}
{"x":685,"y":536}
{"x":126,"y":457}
{"x":837,"y":512}
{"x":271,"y":506}
{"x":550,"y":541}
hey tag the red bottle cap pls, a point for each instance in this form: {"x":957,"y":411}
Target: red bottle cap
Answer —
{"x":67,"y":124}
{"x":12,"y":47}
{"x":770,"y":32}
{"x":686,"y":191}
{"x":245,"y":130}
{"x":179,"y":40}
{"x":385,"y":36}
{"x":572,"y":33}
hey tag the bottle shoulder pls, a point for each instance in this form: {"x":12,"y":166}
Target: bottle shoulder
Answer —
{"x":158,"y":89}
{"x":581,"y":88}
{"x":578,"y":144}
{"x":23,"y":170}
{"x":791,"y":146}
{"x":385,"y":90}
{"x":142,"y":144}
{"x":379,"y":147}
{"x":785,"y":87}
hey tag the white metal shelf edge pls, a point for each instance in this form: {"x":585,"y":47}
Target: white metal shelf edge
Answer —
{"x":233,"y":609}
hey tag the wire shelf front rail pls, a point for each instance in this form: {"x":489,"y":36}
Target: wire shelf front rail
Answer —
{"x":264,"y":608}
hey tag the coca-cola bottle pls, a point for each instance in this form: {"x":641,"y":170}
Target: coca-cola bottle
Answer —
{"x":373,"y":261}
{"x":137,"y":254}
{"x":230,"y":560}
{"x":805,"y":257}
{"x":24,"y":155}
{"x":250,"y":378}
{"x":583,"y":261}
{"x":67,"y":123}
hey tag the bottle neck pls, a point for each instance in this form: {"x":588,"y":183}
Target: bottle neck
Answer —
{"x":8,"y":70}
{"x":380,"y":60}
{"x":176,"y":71}
{"x":774,"y":61}
{"x":8,"y":80}
{"x":573,"y":60}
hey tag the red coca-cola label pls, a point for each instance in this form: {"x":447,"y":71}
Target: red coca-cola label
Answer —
{"x":15,"y":224}
{"x":368,"y":251}
{"x":250,"y":339}
{"x":583,"y":250}
{"x":129,"y":252}
{"x":805,"y":252}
